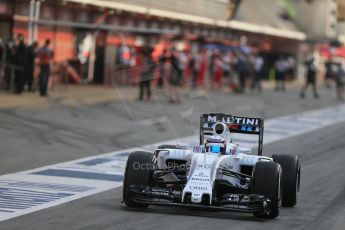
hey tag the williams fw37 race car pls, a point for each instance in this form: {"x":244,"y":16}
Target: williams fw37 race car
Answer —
{"x":217,"y":174}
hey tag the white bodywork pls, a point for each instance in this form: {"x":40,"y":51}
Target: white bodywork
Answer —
{"x":203,"y":166}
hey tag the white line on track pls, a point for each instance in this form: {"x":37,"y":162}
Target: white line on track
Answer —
{"x":32,"y":190}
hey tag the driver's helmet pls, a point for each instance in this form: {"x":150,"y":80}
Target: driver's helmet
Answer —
{"x":215,"y":144}
{"x":221,"y":129}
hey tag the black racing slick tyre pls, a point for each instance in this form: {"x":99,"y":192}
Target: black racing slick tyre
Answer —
{"x":291,"y":177}
{"x":138,"y":171}
{"x":267,"y":182}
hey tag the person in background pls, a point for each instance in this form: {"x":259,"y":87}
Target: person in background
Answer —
{"x":20,"y":61}
{"x":125,"y":59}
{"x":175,"y":78}
{"x":258,"y":66}
{"x":45,"y":55}
{"x":233,"y":72}
{"x":125,"y":55}
{"x":1,"y":50}
{"x":311,"y":70}
{"x":203,"y":62}
{"x":30,"y":65}
{"x":182,"y":64}
{"x":162,"y":60}
{"x":340,"y":81}
{"x":10,"y":51}
{"x":217,"y":70}
{"x":211,"y":57}
{"x":133,"y":61}
{"x":290,"y":67}
{"x":2,"y":59}
{"x":281,"y":67}
{"x":227,"y":68}
{"x":195,"y":65}
{"x":147,"y":75}
{"x":331,"y":71}
{"x":243,"y":70}
{"x":167,"y":71}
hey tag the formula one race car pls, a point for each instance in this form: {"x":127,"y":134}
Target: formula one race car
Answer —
{"x":217,"y":174}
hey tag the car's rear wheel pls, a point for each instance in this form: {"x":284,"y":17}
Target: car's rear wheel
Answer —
{"x":291,"y":177}
{"x":138,"y":172}
{"x":267,"y":182}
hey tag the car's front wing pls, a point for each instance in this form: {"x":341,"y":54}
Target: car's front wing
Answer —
{"x":230,"y":202}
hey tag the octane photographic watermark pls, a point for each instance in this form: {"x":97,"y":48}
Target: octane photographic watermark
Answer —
{"x":172,"y":166}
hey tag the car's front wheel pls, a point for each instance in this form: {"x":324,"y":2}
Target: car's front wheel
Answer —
{"x":138,"y":172}
{"x":291,"y":177}
{"x":267,"y":182}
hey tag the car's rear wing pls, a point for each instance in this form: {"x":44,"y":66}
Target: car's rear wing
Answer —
{"x":244,"y":125}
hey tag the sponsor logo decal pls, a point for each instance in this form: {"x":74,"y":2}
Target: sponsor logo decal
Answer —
{"x":236,"y":120}
{"x":200,"y":179}
{"x":198,"y":188}
{"x":227,"y":119}
{"x":205,"y":166}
